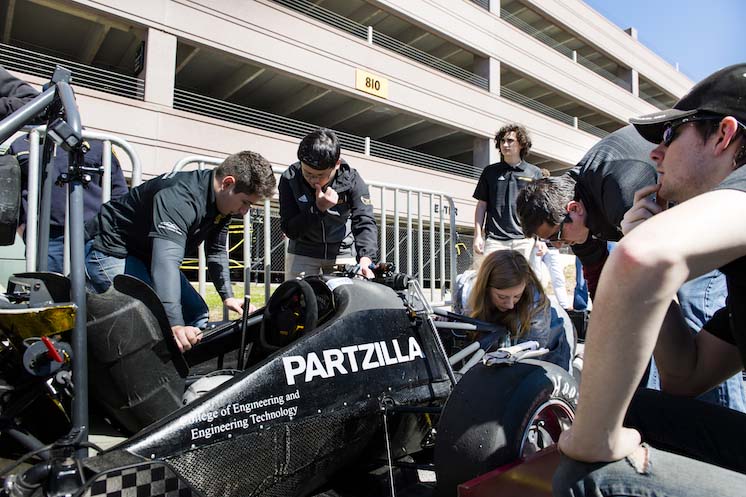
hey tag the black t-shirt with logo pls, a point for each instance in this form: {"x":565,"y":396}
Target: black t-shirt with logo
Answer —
{"x":499,"y":185}
{"x":729,"y":323}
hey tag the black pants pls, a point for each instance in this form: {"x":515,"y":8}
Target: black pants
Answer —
{"x":690,"y":427}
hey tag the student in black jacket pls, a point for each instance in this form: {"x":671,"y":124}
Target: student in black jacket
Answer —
{"x":325,"y":210}
{"x":14,"y":93}
{"x":147,"y":233}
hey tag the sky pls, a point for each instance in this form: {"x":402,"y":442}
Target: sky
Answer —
{"x":701,"y":36}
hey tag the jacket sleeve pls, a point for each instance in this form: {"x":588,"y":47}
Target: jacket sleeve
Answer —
{"x":218,"y":264}
{"x":118,"y":183}
{"x":363,"y":223}
{"x":14,"y":93}
{"x":293,"y":221}
{"x":165,"y":261}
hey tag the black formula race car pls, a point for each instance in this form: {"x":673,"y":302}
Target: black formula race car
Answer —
{"x":338,"y":386}
{"x":336,"y":380}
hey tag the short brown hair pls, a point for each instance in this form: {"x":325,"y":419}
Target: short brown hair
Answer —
{"x":253,"y":173}
{"x":520,"y":134}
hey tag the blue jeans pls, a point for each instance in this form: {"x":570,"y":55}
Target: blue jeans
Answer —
{"x":699,"y":299}
{"x":101,"y":270}
{"x":56,"y":254}
{"x":580,"y":297}
{"x":665,"y":475}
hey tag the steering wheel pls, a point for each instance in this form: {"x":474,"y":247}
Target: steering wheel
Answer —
{"x":291,"y":311}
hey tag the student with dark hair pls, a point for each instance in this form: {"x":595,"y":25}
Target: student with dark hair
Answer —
{"x":148,"y":232}
{"x":325,"y":210}
{"x":700,"y":156}
{"x":496,"y":224}
{"x":587,"y":207}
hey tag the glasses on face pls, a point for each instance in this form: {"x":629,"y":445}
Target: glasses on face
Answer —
{"x":669,"y":129}
{"x":557,"y":237}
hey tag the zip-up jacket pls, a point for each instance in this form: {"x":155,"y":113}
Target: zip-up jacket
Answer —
{"x":346,"y":229}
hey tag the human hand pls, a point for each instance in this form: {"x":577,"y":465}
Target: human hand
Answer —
{"x":365,"y":269}
{"x":186,"y":336}
{"x":646,"y":205}
{"x":541,"y":248}
{"x":626,"y":443}
{"x":236,"y":305}
{"x":326,"y":199}
{"x":478,"y":244}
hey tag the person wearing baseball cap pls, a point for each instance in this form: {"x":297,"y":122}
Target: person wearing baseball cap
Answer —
{"x":700,"y":449}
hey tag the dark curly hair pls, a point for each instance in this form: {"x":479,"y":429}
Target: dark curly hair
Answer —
{"x":521,"y":135}
{"x":253,"y":173}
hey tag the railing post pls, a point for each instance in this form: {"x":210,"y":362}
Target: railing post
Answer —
{"x":574,"y":56}
{"x":370,"y":35}
{"x":442,"y":250}
{"x":383,"y":224}
{"x":202,"y":261}
{"x":396,"y":229}
{"x":267,"y":250}
{"x":32,"y":214}
{"x":575,"y":122}
{"x":432,"y":249}
{"x":410,"y":269}
{"x":367,"y":145}
{"x":420,"y":255}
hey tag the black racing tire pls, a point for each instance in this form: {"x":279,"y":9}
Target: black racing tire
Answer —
{"x":500,"y":414}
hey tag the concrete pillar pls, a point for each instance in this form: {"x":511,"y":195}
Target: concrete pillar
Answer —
{"x":489,"y":68}
{"x":160,"y":67}
{"x":485,"y":152}
{"x":495,"y":7}
{"x":635,"y":82}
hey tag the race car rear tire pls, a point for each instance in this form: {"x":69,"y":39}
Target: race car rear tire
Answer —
{"x":498,"y":415}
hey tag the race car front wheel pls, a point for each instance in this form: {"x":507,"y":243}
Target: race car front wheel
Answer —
{"x":500,"y":415}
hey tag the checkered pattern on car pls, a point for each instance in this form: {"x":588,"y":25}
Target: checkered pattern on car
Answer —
{"x":146,"y":480}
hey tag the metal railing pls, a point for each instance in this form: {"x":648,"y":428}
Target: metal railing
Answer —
{"x":399,"y":203}
{"x":39,"y":64}
{"x":356,"y":29}
{"x":239,"y":114}
{"x":34,"y":159}
{"x":551,"y":112}
{"x":559,"y":47}
{"x":485,"y":4}
{"x":392,"y":152}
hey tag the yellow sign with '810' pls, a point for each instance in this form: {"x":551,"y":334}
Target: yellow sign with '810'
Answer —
{"x":370,"y":83}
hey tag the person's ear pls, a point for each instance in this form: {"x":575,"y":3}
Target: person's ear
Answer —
{"x":576,"y":207}
{"x":227,"y":182}
{"x":726,"y":132}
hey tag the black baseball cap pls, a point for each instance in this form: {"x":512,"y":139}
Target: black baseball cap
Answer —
{"x":722,"y":93}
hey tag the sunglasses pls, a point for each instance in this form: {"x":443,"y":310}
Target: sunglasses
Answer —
{"x":669,"y":129}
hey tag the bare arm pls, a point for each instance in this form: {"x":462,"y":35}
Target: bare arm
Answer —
{"x":624,"y":326}
{"x":691,"y":364}
{"x":479,"y":214}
